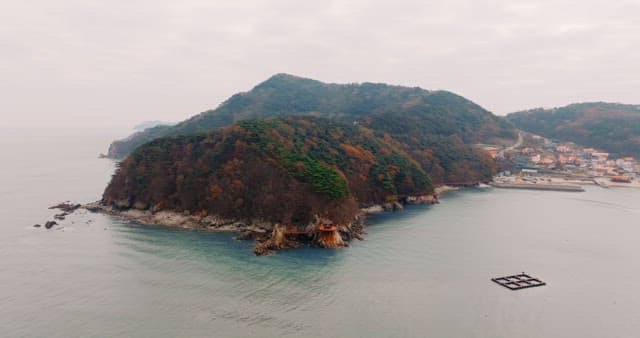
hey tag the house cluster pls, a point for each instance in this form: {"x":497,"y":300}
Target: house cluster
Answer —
{"x":546,"y":155}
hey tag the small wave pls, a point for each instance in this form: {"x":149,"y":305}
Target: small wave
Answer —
{"x":608,"y":204}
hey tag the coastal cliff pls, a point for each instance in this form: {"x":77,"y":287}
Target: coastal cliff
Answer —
{"x":293,"y":171}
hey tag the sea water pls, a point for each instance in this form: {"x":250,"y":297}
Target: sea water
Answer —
{"x":423,"y":272}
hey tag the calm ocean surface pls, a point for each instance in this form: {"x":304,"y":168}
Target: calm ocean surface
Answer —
{"x":424,"y":272}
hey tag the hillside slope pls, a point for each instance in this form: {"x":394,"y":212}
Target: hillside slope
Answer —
{"x":612,"y":127}
{"x":284,"y":170}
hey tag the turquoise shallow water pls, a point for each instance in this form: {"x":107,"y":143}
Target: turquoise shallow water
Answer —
{"x":424,"y":272}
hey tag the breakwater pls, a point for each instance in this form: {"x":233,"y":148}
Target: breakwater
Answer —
{"x":539,"y":186}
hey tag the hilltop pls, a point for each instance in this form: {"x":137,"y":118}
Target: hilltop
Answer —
{"x":612,"y":127}
{"x":437,"y":112}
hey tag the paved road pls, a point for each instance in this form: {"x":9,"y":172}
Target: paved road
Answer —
{"x":516,"y":145}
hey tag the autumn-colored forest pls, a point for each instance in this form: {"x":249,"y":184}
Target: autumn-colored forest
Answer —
{"x":294,"y":148}
{"x":281,"y":170}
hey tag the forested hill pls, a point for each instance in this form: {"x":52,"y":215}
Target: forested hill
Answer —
{"x":612,"y":127}
{"x":439,"y":113}
{"x":283,"y":170}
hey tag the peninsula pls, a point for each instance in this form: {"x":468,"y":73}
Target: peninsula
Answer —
{"x":303,"y":160}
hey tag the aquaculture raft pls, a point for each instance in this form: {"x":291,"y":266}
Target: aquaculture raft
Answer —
{"x":517,"y":282}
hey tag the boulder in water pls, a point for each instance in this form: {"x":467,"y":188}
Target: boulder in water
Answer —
{"x":67,"y":207}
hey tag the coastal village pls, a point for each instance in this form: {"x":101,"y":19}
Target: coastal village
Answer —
{"x":538,"y":162}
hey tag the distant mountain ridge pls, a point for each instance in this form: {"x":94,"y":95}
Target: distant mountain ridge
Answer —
{"x":150,"y":124}
{"x":441,"y":112}
{"x":613,"y":127}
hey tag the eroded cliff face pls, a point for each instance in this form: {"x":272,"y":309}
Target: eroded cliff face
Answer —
{"x":330,"y":238}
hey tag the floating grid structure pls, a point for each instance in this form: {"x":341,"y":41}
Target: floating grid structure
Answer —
{"x":517,"y":282}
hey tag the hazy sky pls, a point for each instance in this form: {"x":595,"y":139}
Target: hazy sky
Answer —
{"x":121,"y":62}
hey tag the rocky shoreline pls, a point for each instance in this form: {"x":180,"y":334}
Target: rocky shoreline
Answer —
{"x":269,"y":236}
